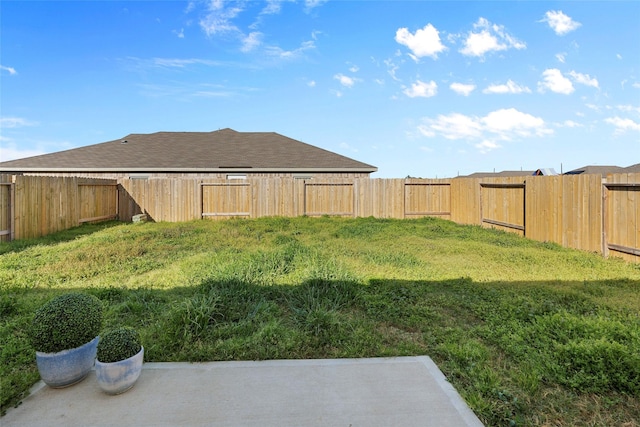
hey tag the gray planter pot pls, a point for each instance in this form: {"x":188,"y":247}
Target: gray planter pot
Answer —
{"x":67,"y":367}
{"x":118,"y":377}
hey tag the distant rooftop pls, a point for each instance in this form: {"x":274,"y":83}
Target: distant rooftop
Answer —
{"x":602,"y":170}
{"x":498,"y":174}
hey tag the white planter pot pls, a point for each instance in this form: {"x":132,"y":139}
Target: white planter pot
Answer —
{"x":67,"y":367}
{"x":118,"y":377}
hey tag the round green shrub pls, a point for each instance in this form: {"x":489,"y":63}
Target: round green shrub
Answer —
{"x":66,"y":322}
{"x":118,"y":344}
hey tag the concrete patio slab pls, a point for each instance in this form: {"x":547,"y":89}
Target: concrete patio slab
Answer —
{"x":398,"y":391}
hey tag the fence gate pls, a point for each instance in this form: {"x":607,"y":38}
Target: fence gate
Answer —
{"x":621,"y":219}
{"x":503,"y":205}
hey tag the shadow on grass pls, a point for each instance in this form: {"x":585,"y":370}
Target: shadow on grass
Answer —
{"x":55,"y":238}
{"x":503,"y":345}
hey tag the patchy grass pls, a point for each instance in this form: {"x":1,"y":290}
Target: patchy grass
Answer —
{"x":529,"y":333}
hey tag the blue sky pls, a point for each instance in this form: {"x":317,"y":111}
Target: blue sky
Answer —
{"x":420,"y":88}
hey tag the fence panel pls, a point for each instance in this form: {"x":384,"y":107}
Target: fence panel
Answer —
{"x":281,"y":196}
{"x":565,"y":209}
{"x":131,"y":198}
{"x":543,"y":210}
{"x":622,"y":216}
{"x":502,"y":203}
{"x":380,"y":198}
{"x":465,"y":201}
{"x":427,"y":198}
{"x":226,"y":199}
{"x":44,"y":205}
{"x":329,"y":197}
{"x":6,"y":215}
{"x":98,"y":200}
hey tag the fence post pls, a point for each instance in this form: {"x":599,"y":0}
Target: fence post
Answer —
{"x":605,"y":247}
{"x":524,"y":208}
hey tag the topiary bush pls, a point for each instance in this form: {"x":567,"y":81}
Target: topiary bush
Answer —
{"x":66,"y":322}
{"x":119,"y":344}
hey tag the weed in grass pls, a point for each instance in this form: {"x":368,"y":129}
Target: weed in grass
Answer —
{"x":191,"y":318}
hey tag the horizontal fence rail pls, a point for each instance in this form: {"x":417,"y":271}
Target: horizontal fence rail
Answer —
{"x":584,"y":212}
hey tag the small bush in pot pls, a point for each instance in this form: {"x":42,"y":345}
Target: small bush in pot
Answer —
{"x":64,"y":333}
{"x":119,"y":344}
{"x":119,"y":360}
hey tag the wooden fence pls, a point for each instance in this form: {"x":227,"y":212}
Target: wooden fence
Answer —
{"x":583,"y":211}
{"x":34,"y":206}
{"x":186,"y":199}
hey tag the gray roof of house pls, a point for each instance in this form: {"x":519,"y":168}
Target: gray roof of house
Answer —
{"x":221,"y":150}
{"x":632,"y":169}
{"x":602,"y":170}
{"x":499,"y":174}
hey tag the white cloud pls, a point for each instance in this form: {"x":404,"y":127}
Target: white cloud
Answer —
{"x":391,"y":69}
{"x":509,"y":87}
{"x":12,"y":71}
{"x":462,"y":89}
{"x":420,"y":89}
{"x":510,"y":122}
{"x":273,"y":7}
{"x":561,"y":57}
{"x":312,"y":83}
{"x":454,"y":126}
{"x":173,"y":62}
{"x":219,"y":18}
{"x":15,"y":122}
{"x":346,"y":81}
{"x":425,"y":42}
{"x":623,"y":125}
{"x":222,"y":19}
{"x":486,"y":146}
{"x":559,"y":22}
{"x":570,"y":124}
{"x":500,"y":125}
{"x":555,"y":82}
{"x":191,"y":5}
{"x":310,"y":4}
{"x":629,"y":108}
{"x":290,"y":54}
{"x":489,"y":38}
{"x":636,"y":85}
{"x":252,"y":41}
{"x":584,"y":79}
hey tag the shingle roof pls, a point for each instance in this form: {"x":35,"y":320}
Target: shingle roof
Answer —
{"x":498,"y":174}
{"x":191,"y":152}
{"x":632,"y":169}
{"x":603,"y":170}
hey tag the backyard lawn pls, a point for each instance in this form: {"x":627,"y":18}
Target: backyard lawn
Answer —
{"x":529,"y":333}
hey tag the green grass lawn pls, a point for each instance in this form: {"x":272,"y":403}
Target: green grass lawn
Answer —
{"x":528,"y":333}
